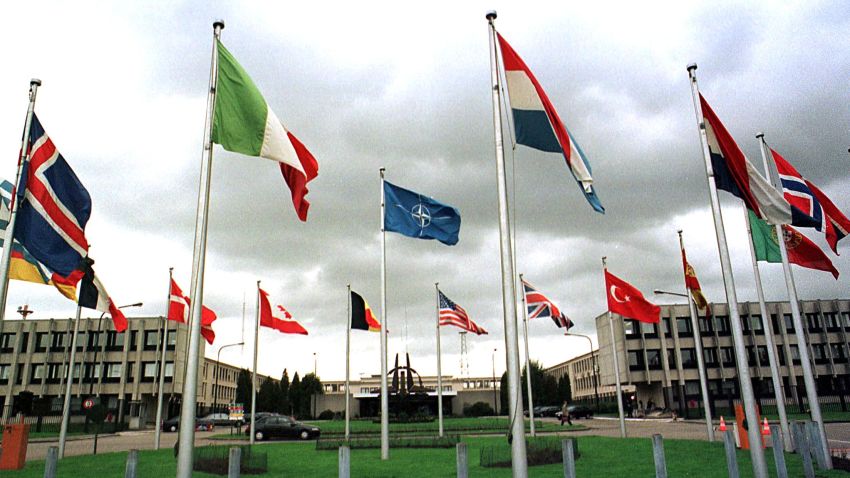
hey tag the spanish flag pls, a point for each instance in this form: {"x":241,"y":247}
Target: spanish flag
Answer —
{"x":362,"y":317}
{"x":692,"y":284}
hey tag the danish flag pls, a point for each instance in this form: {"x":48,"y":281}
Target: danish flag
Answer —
{"x":55,"y":207}
{"x":178,"y":310}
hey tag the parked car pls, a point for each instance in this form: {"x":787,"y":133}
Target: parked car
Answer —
{"x":201,"y":424}
{"x":546,"y":411}
{"x":282,"y":427}
{"x":580,"y":411}
{"x":221,"y":420}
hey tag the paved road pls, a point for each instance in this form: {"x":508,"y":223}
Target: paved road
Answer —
{"x":838,"y":434}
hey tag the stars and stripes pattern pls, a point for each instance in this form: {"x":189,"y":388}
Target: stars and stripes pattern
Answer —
{"x":453,"y":314}
{"x":539,"y":305}
{"x":55,"y":207}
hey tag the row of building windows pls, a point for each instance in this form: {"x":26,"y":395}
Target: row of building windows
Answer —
{"x":112,"y":371}
{"x":715,"y":356}
{"x":719,"y":324}
{"x":59,"y":341}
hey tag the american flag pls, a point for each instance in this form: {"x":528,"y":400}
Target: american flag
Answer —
{"x":453,"y":314}
{"x":540,"y":306}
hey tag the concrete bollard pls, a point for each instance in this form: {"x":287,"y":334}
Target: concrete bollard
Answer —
{"x":344,"y":462}
{"x":132,"y":463}
{"x":801,"y":444}
{"x":234,"y":462}
{"x":462,"y":461}
{"x":731,"y":456}
{"x":778,"y":451}
{"x":568,"y":451}
{"x":816,"y":445}
{"x":50,"y":462}
{"x":658,"y":455}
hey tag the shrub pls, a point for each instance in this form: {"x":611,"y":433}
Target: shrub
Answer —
{"x":540,"y":451}
{"x":326,"y":415}
{"x":478,"y":409}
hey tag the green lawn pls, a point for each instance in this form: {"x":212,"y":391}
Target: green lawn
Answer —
{"x":600,"y":457}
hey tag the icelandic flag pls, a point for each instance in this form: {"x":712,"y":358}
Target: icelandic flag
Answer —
{"x":55,"y":207}
{"x":414,"y":215}
{"x":734,"y":173}
{"x":537,"y":124}
{"x":800,"y":192}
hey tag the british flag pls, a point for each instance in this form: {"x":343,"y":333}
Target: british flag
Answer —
{"x":55,"y":207}
{"x":453,"y":314}
{"x":539,"y":305}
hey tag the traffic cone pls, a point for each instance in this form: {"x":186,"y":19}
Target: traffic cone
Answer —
{"x":722,"y":424}
{"x":765,"y":428}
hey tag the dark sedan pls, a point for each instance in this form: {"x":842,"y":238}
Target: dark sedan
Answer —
{"x":201,"y":424}
{"x":282,"y":427}
{"x":580,"y":411}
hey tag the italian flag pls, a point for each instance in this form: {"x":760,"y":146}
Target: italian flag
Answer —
{"x":244,"y":123}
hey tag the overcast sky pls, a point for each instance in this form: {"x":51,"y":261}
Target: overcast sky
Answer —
{"x":406,"y":86}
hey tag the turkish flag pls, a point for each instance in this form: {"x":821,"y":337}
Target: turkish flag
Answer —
{"x":178,"y":311}
{"x":626,"y":300}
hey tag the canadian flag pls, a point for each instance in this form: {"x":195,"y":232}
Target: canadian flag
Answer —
{"x":178,"y":311}
{"x":279,"y":319}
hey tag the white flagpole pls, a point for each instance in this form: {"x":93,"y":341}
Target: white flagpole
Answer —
{"x":703,"y":377}
{"x":527,"y":360}
{"x":254,"y":368}
{"x":439,"y":366}
{"x":13,"y":202}
{"x":746,"y":385}
{"x":799,"y":331}
{"x":385,"y":403}
{"x":519,"y":461}
{"x":186,"y":441}
{"x":768,"y":338}
{"x":619,"y":388}
{"x":347,"y":369}
{"x":156,"y":439}
{"x":66,"y":406}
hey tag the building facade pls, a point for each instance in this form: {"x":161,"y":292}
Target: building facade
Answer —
{"x":122,"y":369}
{"x":658,"y":361}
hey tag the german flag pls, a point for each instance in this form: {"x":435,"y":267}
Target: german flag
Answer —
{"x":362,"y":317}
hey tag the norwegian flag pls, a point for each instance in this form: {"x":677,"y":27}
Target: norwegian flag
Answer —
{"x":540,"y":306}
{"x":178,"y":310}
{"x":453,"y":314}
{"x":55,"y":207}
{"x":799,"y":191}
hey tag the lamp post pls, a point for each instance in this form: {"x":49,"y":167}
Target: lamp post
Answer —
{"x":703,"y":374}
{"x":595,"y":365}
{"x":217,"y":363}
{"x":495,"y":396}
{"x":103,"y":345}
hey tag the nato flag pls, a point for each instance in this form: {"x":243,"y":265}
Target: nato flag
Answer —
{"x":415,"y":215}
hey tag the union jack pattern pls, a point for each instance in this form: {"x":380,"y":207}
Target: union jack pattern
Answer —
{"x":539,"y":305}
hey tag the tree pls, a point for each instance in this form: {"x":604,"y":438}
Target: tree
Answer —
{"x":268,"y":397}
{"x":243,"y":389}
{"x":295,"y":394}
{"x":284,"y":406}
{"x":311,"y":386}
{"x":544,"y":388}
{"x":564,"y":390}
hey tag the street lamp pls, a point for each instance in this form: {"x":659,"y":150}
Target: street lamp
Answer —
{"x":96,"y":350}
{"x":217,"y":363}
{"x":495,"y":396}
{"x":595,"y":365}
{"x":665,"y":292}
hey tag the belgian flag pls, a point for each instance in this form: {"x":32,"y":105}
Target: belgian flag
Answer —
{"x":361,"y":315}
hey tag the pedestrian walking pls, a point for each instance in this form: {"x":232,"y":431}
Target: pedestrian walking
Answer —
{"x":565,"y":414}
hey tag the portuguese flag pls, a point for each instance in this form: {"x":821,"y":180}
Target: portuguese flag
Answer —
{"x":244,"y":123}
{"x":362,"y":317}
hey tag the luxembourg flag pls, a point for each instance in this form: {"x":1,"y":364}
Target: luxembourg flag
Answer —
{"x":537,"y":124}
{"x":734,"y":173}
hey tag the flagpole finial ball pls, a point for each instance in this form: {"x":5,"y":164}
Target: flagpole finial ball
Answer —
{"x":218,"y":24}
{"x":491,"y":15}
{"x":692,"y":66}
{"x":759,"y":135}
{"x":35,"y":81}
